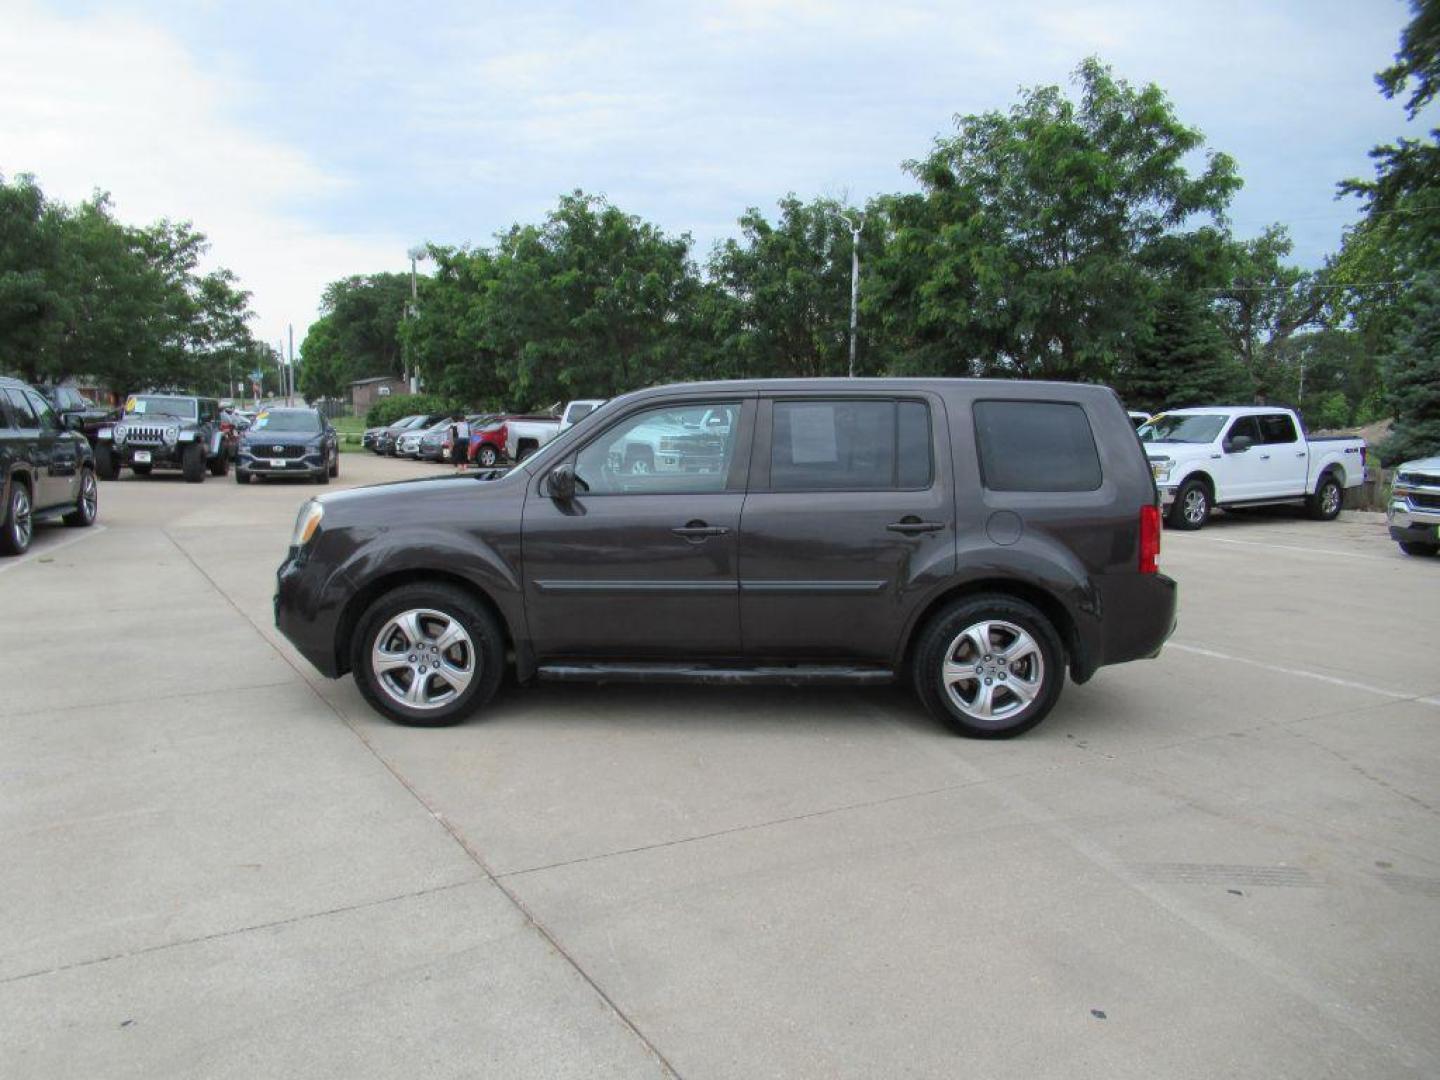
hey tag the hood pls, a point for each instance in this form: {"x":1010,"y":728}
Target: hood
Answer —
{"x":1425,"y":465}
{"x":400,"y":500}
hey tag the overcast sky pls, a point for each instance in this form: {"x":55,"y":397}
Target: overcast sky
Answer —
{"x":314,"y":141}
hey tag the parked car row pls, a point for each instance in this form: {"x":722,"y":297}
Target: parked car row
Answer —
{"x":493,"y":439}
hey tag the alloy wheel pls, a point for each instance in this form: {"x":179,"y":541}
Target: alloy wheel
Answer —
{"x":993,"y":670}
{"x":423,"y":659}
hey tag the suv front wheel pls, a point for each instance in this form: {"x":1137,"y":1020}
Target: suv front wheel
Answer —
{"x":17,"y":522}
{"x":427,"y":655}
{"x":989,"y":666}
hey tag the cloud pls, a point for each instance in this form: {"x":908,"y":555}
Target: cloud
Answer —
{"x":110,"y":102}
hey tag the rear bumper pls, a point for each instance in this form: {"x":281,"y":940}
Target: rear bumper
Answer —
{"x":1139,"y":613}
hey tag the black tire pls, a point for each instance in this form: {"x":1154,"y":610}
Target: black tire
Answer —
{"x":1420,"y":548}
{"x":220,"y":464}
{"x":335,"y":465}
{"x":241,"y":476}
{"x":1328,"y":500}
{"x":1023,"y":692}
{"x":486,"y":640}
{"x":192,"y":463}
{"x":487,"y":457}
{"x":17,"y":523}
{"x":1192,"y":506}
{"x":106,"y":467}
{"x":87,"y":502}
{"x":140,"y":470}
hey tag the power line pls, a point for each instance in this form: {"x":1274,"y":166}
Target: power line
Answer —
{"x":1302,"y":286}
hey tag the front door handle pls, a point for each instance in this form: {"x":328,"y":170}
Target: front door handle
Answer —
{"x":1264,"y":457}
{"x":912,"y":524}
{"x":697,"y":531}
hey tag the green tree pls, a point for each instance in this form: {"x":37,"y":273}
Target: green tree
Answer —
{"x":450,"y":341}
{"x":592,"y":303}
{"x":1391,"y":259}
{"x":366,"y":313}
{"x":789,"y":282}
{"x":1412,"y":373}
{"x":1026,"y":253}
{"x":323,"y":371}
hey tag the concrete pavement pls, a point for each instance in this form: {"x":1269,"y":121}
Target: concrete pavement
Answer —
{"x":1222,"y":862}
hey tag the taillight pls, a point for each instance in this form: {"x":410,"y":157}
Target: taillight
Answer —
{"x":1149,"y":539}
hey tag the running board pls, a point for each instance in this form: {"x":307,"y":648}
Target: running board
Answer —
{"x":781,"y":675}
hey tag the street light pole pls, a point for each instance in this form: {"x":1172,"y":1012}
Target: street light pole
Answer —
{"x":416,"y":253}
{"x":855,"y":224}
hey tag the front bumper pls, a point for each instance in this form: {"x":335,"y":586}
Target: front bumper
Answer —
{"x":311,"y":464}
{"x":306,"y":612}
{"x":162,"y":456}
{"x":1167,"y":494}
{"x":1412,"y":524}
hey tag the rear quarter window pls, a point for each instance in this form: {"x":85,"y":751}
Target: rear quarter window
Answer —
{"x":1036,"y":446}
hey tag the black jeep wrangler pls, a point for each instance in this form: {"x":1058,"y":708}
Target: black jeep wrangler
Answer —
{"x":165,"y":431}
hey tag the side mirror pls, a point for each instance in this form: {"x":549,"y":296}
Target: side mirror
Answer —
{"x":72,"y":422}
{"x":1238,"y":444}
{"x":561,"y":482}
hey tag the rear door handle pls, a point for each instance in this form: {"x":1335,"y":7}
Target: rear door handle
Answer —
{"x":698,"y":530}
{"x":1264,"y":457}
{"x":912,"y":525}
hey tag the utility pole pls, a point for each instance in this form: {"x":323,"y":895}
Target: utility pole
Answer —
{"x":290,"y":396}
{"x":416,"y":253}
{"x":855,"y":223}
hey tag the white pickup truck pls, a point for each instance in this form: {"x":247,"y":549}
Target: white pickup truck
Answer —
{"x":1255,"y":455}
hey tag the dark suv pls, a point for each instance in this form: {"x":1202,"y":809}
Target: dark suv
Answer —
{"x":46,"y":468}
{"x":166,"y":431}
{"x":978,"y":537}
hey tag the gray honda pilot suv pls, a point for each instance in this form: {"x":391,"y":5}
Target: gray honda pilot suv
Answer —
{"x":977,"y":537}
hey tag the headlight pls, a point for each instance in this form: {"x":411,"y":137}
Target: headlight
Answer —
{"x":1161,"y":470}
{"x":120,"y":432}
{"x":172,"y":435}
{"x":306,"y":523}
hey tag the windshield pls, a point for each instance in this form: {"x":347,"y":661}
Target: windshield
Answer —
{"x":156,"y":405}
{"x":1190,"y":428}
{"x":299,"y":421}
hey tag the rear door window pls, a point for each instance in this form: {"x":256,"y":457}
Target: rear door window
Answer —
{"x":850,"y":446}
{"x":1036,"y":446}
{"x":1277,"y":428}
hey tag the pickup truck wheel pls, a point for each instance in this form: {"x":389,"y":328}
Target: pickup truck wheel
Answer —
{"x":1191,"y":508}
{"x":1411,"y":547}
{"x":639,"y":462}
{"x":427,"y":655}
{"x":192,"y":462}
{"x":989,"y":666}
{"x":17,"y":525}
{"x":87,"y":503}
{"x":1325,"y":504}
{"x":105,"y":464}
{"x":487,"y":456}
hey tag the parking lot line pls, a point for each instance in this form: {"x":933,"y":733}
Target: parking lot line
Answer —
{"x":48,"y":549}
{"x":1307,"y":550}
{"x":1333,"y":680}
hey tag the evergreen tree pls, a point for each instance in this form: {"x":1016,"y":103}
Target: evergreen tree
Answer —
{"x":1183,"y":360}
{"x":1412,"y":373}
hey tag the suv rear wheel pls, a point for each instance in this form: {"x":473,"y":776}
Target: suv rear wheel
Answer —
{"x":427,"y":655}
{"x":989,"y":666}
{"x":17,"y":525}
